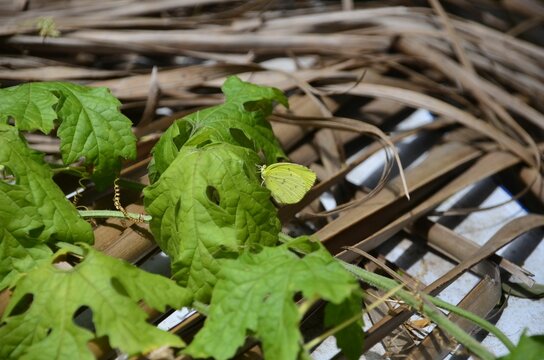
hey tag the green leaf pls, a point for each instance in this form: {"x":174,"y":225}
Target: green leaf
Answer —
{"x":168,"y":146}
{"x":91,"y":126}
{"x":206,"y":206}
{"x":33,"y":205}
{"x":523,"y":291}
{"x":109,"y":287}
{"x":31,"y":107}
{"x":528,"y":348}
{"x":241,"y":92}
{"x":241,"y":121}
{"x":350,"y":338}
{"x":18,"y":256}
{"x":254,"y":296}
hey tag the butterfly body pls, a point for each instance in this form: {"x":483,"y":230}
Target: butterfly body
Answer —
{"x":287,"y":182}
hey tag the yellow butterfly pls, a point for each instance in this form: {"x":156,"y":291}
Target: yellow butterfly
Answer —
{"x":287,"y":182}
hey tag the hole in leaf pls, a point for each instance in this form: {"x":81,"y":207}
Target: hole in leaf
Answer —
{"x":116,"y":284}
{"x":202,"y":144}
{"x":258,"y":105}
{"x":185,"y":130}
{"x":297,"y":296}
{"x":241,"y":138}
{"x":84,"y":317}
{"x":63,"y":266}
{"x":22,"y":305}
{"x":7,"y":175}
{"x":61,"y":99}
{"x":224,"y":252}
{"x":213,"y":195}
{"x":36,"y":232}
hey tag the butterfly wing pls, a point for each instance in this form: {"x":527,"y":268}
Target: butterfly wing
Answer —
{"x":288,"y":183}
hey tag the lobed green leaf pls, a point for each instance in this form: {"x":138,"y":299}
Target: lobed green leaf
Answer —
{"x":32,"y":205}
{"x":109,"y":287}
{"x":18,"y":256}
{"x":254,"y":296}
{"x":91,"y":126}
{"x":30,"y":106}
{"x":206,"y":206}
{"x":241,"y":121}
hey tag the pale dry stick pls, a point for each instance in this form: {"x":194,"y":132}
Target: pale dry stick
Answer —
{"x":176,"y":40}
{"x":432,"y":104}
{"x":525,"y":25}
{"x":454,"y":246}
{"x":288,"y":212}
{"x":152,"y":99}
{"x":347,"y":124}
{"x":486,"y":100}
{"x":452,"y":36}
{"x":429,"y":83}
{"x":479,"y":86}
{"x":338,"y":151}
{"x":501,"y":238}
{"x":147,"y":7}
{"x":356,"y":126}
{"x":487,"y":33}
{"x":347,"y":5}
{"x":357,"y":18}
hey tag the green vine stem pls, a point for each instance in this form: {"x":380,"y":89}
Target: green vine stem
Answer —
{"x":80,"y":171}
{"x":437,"y":317}
{"x":113,"y":214}
{"x":318,"y":340}
{"x":482,"y":323}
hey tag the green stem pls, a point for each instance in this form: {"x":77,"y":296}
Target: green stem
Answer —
{"x":113,"y":214}
{"x":306,"y":305}
{"x":201,"y":307}
{"x":484,"y":324}
{"x":75,"y":170}
{"x":387,"y":284}
{"x":316,"y":341}
{"x":437,"y":317}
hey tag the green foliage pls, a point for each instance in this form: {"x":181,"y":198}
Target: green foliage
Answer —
{"x":207,"y":201}
{"x":31,"y":107}
{"x":33,"y":205}
{"x":254,"y":296}
{"x":110,"y":288}
{"x":241,"y":121}
{"x":91,"y":125}
{"x":536,"y":291}
{"x":210,"y":214}
{"x":206,"y":206}
{"x":47,"y":27}
{"x":528,"y":348}
{"x":19,"y":255}
{"x":350,"y":338}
